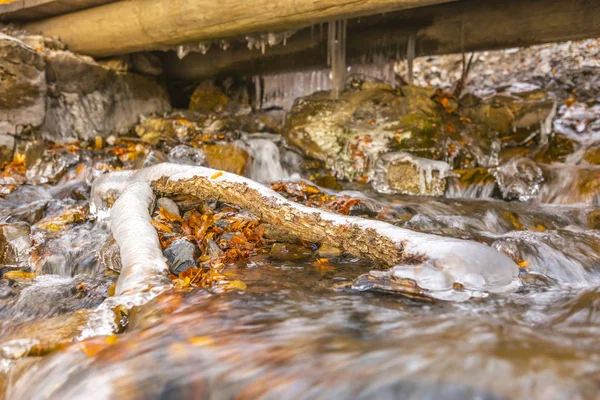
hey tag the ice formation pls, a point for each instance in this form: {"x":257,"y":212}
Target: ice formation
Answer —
{"x":425,"y":167}
{"x":336,"y":53}
{"x":261,"y":41}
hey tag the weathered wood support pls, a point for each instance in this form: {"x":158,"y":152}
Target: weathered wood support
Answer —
{"x":471,"y":25}
{"x":138,"y":25}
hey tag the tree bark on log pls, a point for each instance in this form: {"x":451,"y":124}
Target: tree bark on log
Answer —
{"x":475,"y":265}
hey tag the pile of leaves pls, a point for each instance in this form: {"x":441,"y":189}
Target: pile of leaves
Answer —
{"x":12,"y":174}
{"x":312,"y":196}
{"x":224,"y":234}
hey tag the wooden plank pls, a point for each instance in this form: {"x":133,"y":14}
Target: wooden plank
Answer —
{"x":139,"y":25}
{"x":482,"y":25}
{"x":27,"y":10}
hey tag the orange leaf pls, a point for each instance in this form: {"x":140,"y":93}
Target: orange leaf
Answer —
{"x":161,"y":227}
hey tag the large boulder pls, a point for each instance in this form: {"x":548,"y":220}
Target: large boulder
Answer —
{"x":62,"y":96}
{"x":22,"y":86}
{"x":86,"y":100}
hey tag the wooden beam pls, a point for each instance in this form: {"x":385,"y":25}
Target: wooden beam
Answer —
{"x":472,"y":25}
{"x":27,"y":10}
{"x":140,"y":25}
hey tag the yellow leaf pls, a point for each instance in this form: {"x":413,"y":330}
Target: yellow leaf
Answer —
{"x":236,"y":285}
{"x":112,"y":339}
{"x":19,"y":275}
{"x":201,"y":340}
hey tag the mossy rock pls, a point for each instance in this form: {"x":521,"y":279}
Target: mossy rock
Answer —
{"x":226,"y":157}
{"x":208,"y":98}
{"x":557,"y":149}
{"x":592,"y":155}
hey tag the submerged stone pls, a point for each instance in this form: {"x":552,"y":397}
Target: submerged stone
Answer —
{"x":46,"y":164}
{"x":289,"y":252}
{"x":15,"y":242}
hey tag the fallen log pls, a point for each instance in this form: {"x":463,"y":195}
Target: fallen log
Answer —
{"x":474,"y":265}
{"x":137,"y":25}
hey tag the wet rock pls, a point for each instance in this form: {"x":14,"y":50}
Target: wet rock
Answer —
{"x":289,"y":252}
{"x":594,"y":219}
{"x":22,"y":87}
{"x":46,"y":164}
{"x":207,"y":98}
{"x":168,"y":205}
{"x":180,"y":126}
{"x":41,"y":337}
{"x":498,"y":117}
{"x":362,"y":209}
{"x":71,"y":215}
{"x":110,"y":255}
{"x":117,"y":64}
{"x":570,"y":184}
{"x":519,"y":179}
{"x":183,"y":154}
{"x":558,"y":148}
{"x":476,"y":183}
{"x":64,"y":96}
{"x":181,"y":255}
{"x":88,"y":100}
{"x":329,"y":251}
{"x":51,"y":295}
{"x":7,"y":147}
{"x":213,"y":248}
{"x":404,"y":173}
{"x":146,"y":63}
{"x":592,"y":155}
{"x":328,"y":181}
{"x":350,"y":134}
{"x":227,"y":157}
{"x":15,"y":242}
{"x":152,"y":157}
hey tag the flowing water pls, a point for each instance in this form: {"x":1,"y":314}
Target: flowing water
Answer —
{"x":300,"y":331}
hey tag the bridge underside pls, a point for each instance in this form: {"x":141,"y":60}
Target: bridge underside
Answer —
{"x":104,"y":28}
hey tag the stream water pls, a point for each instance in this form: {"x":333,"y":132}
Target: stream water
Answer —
{"x":298,"y":331}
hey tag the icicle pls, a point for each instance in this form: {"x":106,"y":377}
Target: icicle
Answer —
{"x":182,"y":51}
{"x":203,"y":47}
{"x":224,"y":44}
{"x":410,"y":56}
{"x":336,"y":55}
{"x":282,"y":89}
{"x":546,"y":125}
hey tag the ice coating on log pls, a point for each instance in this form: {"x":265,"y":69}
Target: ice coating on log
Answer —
{"x":141,"y":256}
{"x":476,"y":266}
{"x":472,"y":264}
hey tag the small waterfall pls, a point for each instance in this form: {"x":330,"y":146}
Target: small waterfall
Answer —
{"x":267,"y":165}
